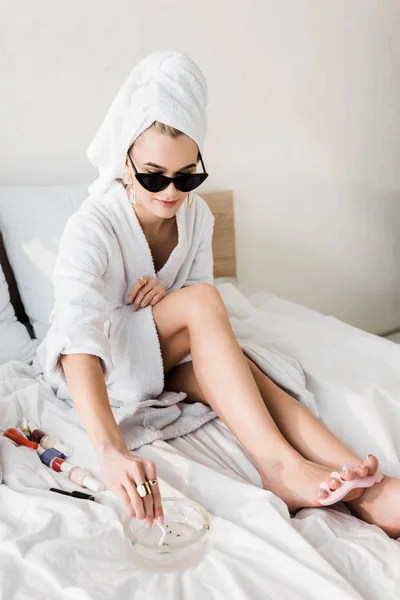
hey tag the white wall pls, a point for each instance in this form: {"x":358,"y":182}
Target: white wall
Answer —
{"x":304,"y":126}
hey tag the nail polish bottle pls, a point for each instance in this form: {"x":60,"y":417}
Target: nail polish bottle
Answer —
{"x":18,"y":437}
{"x":77,"y":475}
{"x":25,"y":429}
{"x":82,"y":477}
{"x":36,"y":433}
{"x":46,"y":456}
{"x":48,"y":441}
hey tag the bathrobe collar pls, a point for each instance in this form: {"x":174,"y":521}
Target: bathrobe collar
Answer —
{"x":166,"y":274}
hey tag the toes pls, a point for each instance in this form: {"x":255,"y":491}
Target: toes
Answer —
{"x":361,"y":471}
{"x":371,"y":462}
{"x":333,"y":483}
{"x":347,"y":474}
{"x":348,"y":467}
{"x":322,"y":494}
{"x":368,"y":467}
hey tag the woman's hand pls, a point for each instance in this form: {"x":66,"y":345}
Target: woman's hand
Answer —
{"x":142,"y":294}
{"x":122,"y":472}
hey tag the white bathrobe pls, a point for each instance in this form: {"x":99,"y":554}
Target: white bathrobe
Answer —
{"x":103,"y":252}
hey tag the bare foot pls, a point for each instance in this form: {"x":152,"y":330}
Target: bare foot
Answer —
{"x":380,"y":506}
{"x":297,"y":481}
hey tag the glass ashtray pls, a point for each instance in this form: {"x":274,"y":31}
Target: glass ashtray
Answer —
{"x":179,"y":544}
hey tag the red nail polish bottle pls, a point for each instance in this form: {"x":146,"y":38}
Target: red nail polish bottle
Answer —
{"x":18,"y":437}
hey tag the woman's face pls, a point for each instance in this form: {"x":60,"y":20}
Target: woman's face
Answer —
{"x":154,"y":152}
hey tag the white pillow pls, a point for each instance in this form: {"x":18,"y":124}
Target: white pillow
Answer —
{"x":15,"y":341}
{"x":32,"y":220}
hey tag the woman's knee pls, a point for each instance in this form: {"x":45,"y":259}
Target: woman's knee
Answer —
{"x":203,"y":296}
{"x":173,"y":312}
{"x":203,"y":290}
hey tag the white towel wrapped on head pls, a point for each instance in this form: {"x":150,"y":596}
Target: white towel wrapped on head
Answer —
{"x":166,"y":86}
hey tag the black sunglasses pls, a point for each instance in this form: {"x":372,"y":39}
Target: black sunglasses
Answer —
{"x":155,"y":182}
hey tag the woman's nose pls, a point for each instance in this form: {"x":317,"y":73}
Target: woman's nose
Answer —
{"x":170,"y":193}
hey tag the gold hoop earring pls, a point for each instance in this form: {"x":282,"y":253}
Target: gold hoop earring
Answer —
{"x":190,"y":200}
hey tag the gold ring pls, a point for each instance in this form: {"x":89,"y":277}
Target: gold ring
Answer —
{"x":143,"y":489}
{"x":144,"y":280}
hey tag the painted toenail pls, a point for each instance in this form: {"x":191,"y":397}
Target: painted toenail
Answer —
{"x":347,"y":467}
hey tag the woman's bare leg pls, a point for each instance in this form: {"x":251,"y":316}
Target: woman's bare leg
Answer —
{"x":299,"y":427}
{"x":195,"y":319}
{"x":378,"y":505}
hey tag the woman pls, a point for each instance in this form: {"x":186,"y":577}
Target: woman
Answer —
{"x":136,"y":312}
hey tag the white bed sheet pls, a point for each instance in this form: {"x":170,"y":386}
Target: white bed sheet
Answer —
{"x":57,"y":547}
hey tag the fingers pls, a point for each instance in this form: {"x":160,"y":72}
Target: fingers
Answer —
{"x":149,"y":507}
{"x":134,"y":478}
{"x":123,"y":473}
{"x":134,"y":498}
{"x":149,"y":469}
{"x":153,"y":297}
{"x":137,"y":287}
{"x":147,"y":501}
{"x":157,"y":297}
{"x":136,"y":304}
{"x":126,"y":501}
{"x":143,"y":295}
{"x":151,"y":473}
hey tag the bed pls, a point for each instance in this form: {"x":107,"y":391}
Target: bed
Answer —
{"x":62,"y":548}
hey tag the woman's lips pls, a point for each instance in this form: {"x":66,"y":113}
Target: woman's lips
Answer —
{"x":167,"y":204}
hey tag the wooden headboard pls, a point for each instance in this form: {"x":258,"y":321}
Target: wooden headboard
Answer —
{"x":221,"y":205}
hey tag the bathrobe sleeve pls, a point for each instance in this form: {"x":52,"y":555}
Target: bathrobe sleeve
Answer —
{"x":80,"y":310}
{"x":202,"y":266}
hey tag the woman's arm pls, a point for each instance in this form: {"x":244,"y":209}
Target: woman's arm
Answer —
{"x":87,"y":387}
{"x":76,"y":354}
{"x":121,"y":471}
